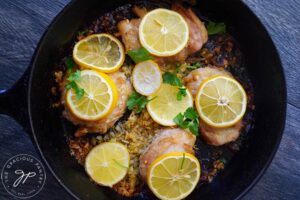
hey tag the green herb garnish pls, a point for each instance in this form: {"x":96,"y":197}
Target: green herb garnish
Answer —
{"x":190,"y":120}
{"x":183,"y":158}
{"x":181,"y":93}
{"x":137,"y":101}
{"x":177,"y":65}
{"x":215,"y":28}
{"x":194,"y":66}
{"x":69,"y":63}
{"x":172,"y":79}
{"x":81,"y":33}
{"x":119,"y":164}
{"x":223,"y":160}
{"x":191,"y":114}
{"x":139,"y":55}
{"x":75,"y":76}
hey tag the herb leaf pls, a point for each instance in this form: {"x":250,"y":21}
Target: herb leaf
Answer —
{"x":223,"y":160}
{"x":181,"y":93}
{"x":179,"y":119}
{"x":191,"y":114}
{"x":70,"y":85}
{"x":79,"y":92}
{"x":215,"y":28}
{"x":195,"y":66}
{"x":183,"y":158}
{"x":75,"y":76}
{"x":194,"y":127}
{"x":137,"y":101}
{"x":171,"y":79}
{"x":188,"y":120}
{"x":69,"y":63}
{"x":131,"y":102}
{"x":139,"y":55}
{"x":119,"y":164}
{"x":81,"y":33}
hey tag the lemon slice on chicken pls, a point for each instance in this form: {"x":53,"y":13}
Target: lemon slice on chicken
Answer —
{"x":163,"y":32}
{"x":174,"y":175}
{"x":99,"y":99}
{"x":221,"y":101}
{"x":102,"y":52}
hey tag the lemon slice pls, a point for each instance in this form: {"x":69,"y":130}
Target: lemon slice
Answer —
{"x":221,"y":101}
{"x":147,"y":78}
{"x":174,"y":175}
{"x":107,"y":163}
{"x":163,"y":32}
{"x":99,"y":99}
{"x":101,"y":52}
{"x":164,"y":105}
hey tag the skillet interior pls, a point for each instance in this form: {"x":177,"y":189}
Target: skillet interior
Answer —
{"x":264,"y":70}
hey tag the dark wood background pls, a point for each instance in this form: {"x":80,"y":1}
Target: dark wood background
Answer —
{"x":22,"y":23}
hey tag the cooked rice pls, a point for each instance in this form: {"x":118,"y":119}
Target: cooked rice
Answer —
{"x":136,"y":133}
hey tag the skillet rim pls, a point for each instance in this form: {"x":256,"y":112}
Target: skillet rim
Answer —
{"x":254,"y":180}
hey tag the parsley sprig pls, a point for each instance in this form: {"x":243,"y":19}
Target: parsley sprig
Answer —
{"x":172,"y":79}
{"x":137,"y":102}
{"x":194,"y":66}
{"x":139,"y":55}
{"x":215,"y":28}
{"x":82,"y":33}
{"x":75,"y":76}
{"x":70,"y":64}
{"x":190,"y":120}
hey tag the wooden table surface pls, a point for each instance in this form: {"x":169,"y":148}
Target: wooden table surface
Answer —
{"x":22,"y":23}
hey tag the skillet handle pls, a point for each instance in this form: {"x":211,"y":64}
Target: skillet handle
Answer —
{"x":14,"y":101}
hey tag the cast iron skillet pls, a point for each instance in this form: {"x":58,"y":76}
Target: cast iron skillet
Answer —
{"x":29,"y":101}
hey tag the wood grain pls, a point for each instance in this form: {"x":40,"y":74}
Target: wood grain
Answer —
{"x":281,"y":19}
{"x":22,"y":23}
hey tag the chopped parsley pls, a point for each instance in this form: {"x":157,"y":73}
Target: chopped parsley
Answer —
{"x":183,"y":159}
{"x":75,"y":76}
{"x":84,"y":32}
{"x":194,"y":66}
{"x":223,"y":160}
{"x":172,"y":79}
{"x":139,"y":55}
{"x":181,"y":93}
{"x":190,"y":120}
{"x":215,"y":28}
{"x":69,"y":63}
{"x":137,"y":102}
{"x":119,"y":164}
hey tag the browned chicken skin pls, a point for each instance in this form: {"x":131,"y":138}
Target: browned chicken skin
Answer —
{"x":166,"y":141}
{"x":102,"y":125}
{"x":198,"y":33}
{"x":194,"y":79}
{"x":213,"y":136}
{"x":129,"y":30}
{"x":220,"y":136}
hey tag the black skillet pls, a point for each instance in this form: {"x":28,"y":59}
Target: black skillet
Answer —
{"x":29,"y":101}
